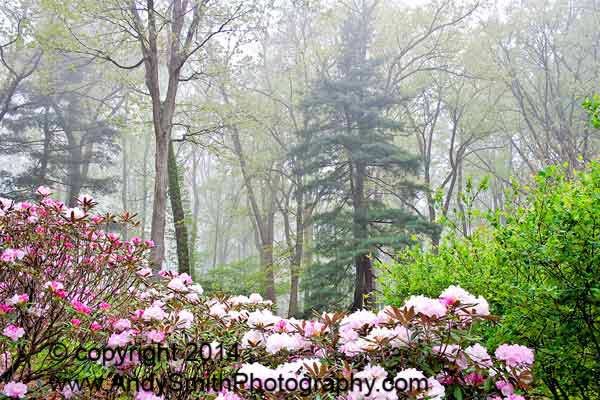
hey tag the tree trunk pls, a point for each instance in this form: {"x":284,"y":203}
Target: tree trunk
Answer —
{"x":145,"y":185}
{"x":364,"y":273}
{"x":44,"y":158}
{"x":181,"y":235}
{"x":160,"y":199}
{"x":195,"y":213}
{"x":264,"y":226}
{"x":296,"y":263}
{"x":75,"y":179}
{"x":216,"y":241}
{"x":267,"y":248}
{"x":307,"y":259}
{"x":124,"y":177}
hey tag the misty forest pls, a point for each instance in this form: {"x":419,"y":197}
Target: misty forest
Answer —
{"x":366,"y":192}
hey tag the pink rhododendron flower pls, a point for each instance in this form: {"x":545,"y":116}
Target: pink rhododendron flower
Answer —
{"x":144,"y":395}
{"x":15,"y":390}
{"x":262,"y":318}
{"x":95,"y":326}
{"x":282,"y":341}
{"x":177,"y":284}
{"x":19,"y":299}
{"x":225,"y":395}
{"x":253,"y":338}
{"x":185,"y":319}
{"x":280,"y":326}
{"x":426,"y":306}
{"x":104,"y":306}
{"x":185,"y":278}
{"x":85,"y":198}
{"x":192,"y":298}
{"x":403,"y":337}
{"x":24,"y":205}
{"x":515,"y":355}
{"x":380,"y":334}
{"x":196,"y":288}
{"x":155,"y":336}
{"x":455,"y":294}
{"x":313,"y":328}
{"x":14,"y":332}
{"x":80,"y":307}
{"x":474,"y":379}
{"x":10,"y":255}
{"x":144,"y":272}
{"x":356,"y":347}
{"x":120,"y":339}
{"x":479,"y":355}
{"x":44,"y":191}
{"x":53,"y":285}
{"x":255,"y":298}
{"x":410,"y":380}
{"x":436,"y":390}
{"x":113,"y":237}
{"x":505,"y":387}
{"x":5,"y":308}
{"x":217,"y":310}
{"x":258,"y":371}
{"x":74,"y":213}
{"x":359,"y":319}
{"x":154,"y":312}
{"x":122,"y":324}
{"x":239,"y":300}
{"x":75,"y":322}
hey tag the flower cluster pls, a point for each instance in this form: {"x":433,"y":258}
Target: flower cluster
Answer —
{"x":64,"y":278}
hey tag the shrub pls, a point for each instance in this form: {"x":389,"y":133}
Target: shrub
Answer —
{"x":537,"y":264}
{"x":83,"y":317}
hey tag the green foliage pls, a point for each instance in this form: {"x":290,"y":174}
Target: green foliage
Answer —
{"x":538,"y":265}
{"x":592,"y":105}
{"x":240,"y":277}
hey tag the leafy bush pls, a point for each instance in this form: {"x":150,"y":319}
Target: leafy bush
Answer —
{"x":70,"y":287}
{"x":538,"y":265}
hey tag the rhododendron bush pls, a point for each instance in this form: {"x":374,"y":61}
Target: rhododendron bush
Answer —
{"x":68,"y":286}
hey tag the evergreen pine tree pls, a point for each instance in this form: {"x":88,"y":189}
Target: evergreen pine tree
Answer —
{"x":349,"y":156}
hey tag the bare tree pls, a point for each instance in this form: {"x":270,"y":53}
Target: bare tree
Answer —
{"x":170,"y":36}
{"x":18,"y":61}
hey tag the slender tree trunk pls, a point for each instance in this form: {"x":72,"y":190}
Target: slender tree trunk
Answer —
{"x":216,"y":241}
{"x":307,"y":258}
{"x":160,"y":199}
{"x":145,"y":184}
{"x":124,"y":178}
{"x":267,"y":249}
{"x":75,"y":178}
{"x":195,"y":213}
{"x":459,"y":201}
{"x":181,"y":235}
{"x":296,"y":263}
{"x":43,"y":170}
{"x":263,"y":224}
{"x":364,"y":273}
